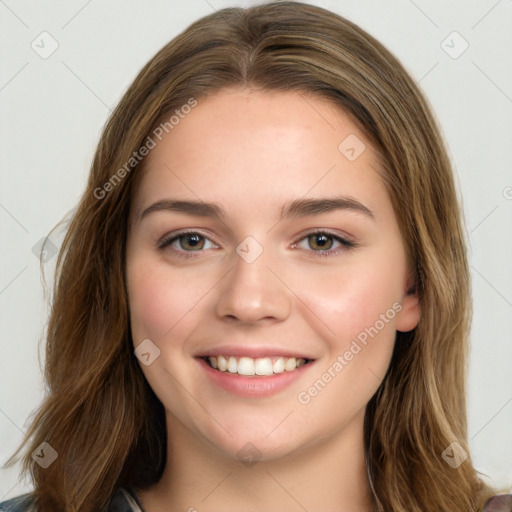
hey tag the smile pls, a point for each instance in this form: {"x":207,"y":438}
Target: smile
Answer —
{"x":248,"y":366}
{"x":257,"y":377}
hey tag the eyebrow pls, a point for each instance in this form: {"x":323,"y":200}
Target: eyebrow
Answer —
{"x":292,"y":209}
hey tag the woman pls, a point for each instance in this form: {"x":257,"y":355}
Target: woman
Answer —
{"x":263,"y":298}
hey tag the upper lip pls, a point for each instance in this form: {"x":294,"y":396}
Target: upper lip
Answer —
{"x":253,"y":352}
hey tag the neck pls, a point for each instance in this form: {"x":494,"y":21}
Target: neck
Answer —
{"x":327,"y":476}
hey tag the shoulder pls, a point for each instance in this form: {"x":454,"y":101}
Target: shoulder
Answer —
{"x":498,"y":503}
{"x":122,"y":501}
{"x":23,"y":503}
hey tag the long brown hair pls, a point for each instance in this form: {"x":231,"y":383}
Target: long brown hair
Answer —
{"x":100,"y":414}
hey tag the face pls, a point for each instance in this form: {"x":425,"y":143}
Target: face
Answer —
{"x":295,"y":277}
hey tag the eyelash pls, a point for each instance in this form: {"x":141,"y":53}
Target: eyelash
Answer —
{"x":167,"y":240}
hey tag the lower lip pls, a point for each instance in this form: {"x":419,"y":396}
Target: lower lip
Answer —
{"x":253,"y":386}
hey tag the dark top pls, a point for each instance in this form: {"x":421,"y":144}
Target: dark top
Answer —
{"x":123,"y":501}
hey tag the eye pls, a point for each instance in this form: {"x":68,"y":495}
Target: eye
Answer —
{"x":187,"y":241}
{"x":322,"y":242}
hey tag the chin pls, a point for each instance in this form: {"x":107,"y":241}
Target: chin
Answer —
{"x":250,"y":441}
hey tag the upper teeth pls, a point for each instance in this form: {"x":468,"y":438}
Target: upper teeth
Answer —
{"x":258,"y":366}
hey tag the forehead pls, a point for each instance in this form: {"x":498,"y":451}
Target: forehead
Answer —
{"x":244,"y":147}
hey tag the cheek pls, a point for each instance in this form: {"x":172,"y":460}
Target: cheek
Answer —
{"x":362,"y":315}
{"x":359,"y":304}
{"x":161,"y":302}
{"x":149,"y":307}
{"x":354,"y":299}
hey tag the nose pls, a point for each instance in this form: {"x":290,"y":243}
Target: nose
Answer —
{"x":252,"y":292}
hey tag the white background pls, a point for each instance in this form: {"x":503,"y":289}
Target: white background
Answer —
{"x":52,"y":111}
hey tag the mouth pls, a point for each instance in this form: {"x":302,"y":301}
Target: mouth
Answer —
{"x":255,"y":367}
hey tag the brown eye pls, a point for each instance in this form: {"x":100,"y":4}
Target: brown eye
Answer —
{"x":320,"y":241}
{"x":191,"y":241}
{"x":185,"y":244}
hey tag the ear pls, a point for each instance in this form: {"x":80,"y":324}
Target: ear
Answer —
{"x":409,"y":316}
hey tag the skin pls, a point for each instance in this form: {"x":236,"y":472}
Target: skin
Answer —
{"x":253,"y":151}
